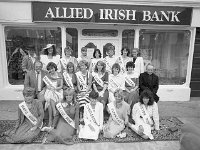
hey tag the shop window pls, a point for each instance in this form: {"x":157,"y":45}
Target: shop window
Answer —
{"x":100,"y":32}
{"x":18,"y":39}
{"x":128,"y":39}
{"x":168,"y":51}
{"x":72,"y":40}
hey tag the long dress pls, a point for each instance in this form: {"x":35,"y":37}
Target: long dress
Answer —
{"x":104,"y":78}
{"x":137,"y":116}
{"x":23,"y":134}
{"x":63,"y":130}
{"x":85,"y":131}
{"x":45,"y":60}
{"x":112,"y":128}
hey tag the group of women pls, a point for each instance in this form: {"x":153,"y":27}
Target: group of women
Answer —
{"x":78,"y":94}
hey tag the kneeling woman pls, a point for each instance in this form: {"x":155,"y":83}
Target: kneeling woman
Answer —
{"x":93,"y":118}
{"x":30,"y":115}
{"x":145,"y":114}
{"x":66,"y":120}
{"x":119,"y":111}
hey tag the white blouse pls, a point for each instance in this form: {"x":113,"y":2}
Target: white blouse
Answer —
{"x":45,"y":60}
{"x":118,"y":79}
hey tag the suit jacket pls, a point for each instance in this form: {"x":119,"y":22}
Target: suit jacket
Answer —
{"x":144,"y":83}
{"x":27,"y":63}
{"x":31,"y":80}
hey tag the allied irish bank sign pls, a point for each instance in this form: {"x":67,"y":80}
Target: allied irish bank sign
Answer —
{"x":108,"y":13}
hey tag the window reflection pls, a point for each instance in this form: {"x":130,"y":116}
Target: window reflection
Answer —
{"x":168,"y":51}
{"x":72,"y":40}
{"x":128,"y":39}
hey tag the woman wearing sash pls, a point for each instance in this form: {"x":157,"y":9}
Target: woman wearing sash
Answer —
{"x":68,"y":58}
{"x":66,"y":120}
{"x":110,"y":59}
{"x":138,"y":61}
{"x":123,"y":59}
{"x":93,"y":118}
{"x":54,"y":92}
{"x":96,"y":57}
{"x":30,"y":117}
{"x":119,"y":111}
{"x":115,"y":81}
{"x":50,"y":55}
{"x":69,"y":77}
{"x":131,"y":84}
{"x":145,"y":114}
{"x":100,"y":82}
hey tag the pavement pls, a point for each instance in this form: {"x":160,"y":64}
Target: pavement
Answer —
{"x":187,"y":112}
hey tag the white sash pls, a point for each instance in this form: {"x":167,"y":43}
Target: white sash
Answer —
{"x":129,"y":81}
{"x":48,"y":82}
{"x":121,"y":63}
{"x":82,"y":81}
{"x":115,"y":115}
{"x":64,"y":115}
{"x":68,"y":80}
{"x":114,"y":84}
{"x":27,"y":113}
{"x":64,"y":62}
{"x":107,"y":65}
{"x":98,"y":79}
{"x":145,"y":115}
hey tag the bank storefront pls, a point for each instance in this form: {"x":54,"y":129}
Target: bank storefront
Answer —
{"x":164,"y":34}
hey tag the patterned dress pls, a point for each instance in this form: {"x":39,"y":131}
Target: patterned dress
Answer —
{"x":64,"y":131}
{"x":22,"y":133}
{"x":112,"y":128}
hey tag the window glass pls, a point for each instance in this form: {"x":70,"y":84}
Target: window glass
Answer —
{"x":128,"y":39}
{"x":168,"y":51}
{"x":100,"y":32}
{"x":72,"y":40}
{"x":19,"y":39}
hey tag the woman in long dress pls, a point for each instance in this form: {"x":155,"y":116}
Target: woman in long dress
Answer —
{"x":96,"y":57}
{"x":28,"y":124}
{"x":93,"y":118}
{"x":54,"y":91}
{"x":119,"y":111}
{"x":50,"y":55}
{"x":68,"y":58}
{"x":100,"y":82}
{"x":138,"y":61}
{"x":116,"y":80}
{"x":69,"y":77}
{"x":131,"y":84}
{"x":66,"y":120}
{"x":145,"y":114}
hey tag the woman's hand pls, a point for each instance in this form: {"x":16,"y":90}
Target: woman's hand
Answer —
{"x":101,"y":93}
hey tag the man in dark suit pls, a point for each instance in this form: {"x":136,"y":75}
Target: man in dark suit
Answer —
{"x":148,"y":80}
{"x":28,"y":60}
{"x":34,"y":79}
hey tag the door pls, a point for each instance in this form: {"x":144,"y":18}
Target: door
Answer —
{"x":101,"y":44}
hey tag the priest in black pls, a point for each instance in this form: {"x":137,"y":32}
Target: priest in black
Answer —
{"x":149,"y":80}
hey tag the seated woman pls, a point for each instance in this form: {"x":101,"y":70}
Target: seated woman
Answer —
{"x":145,"y":114}
{"x":30,"y":116}
{"x":115,"y":81}
{"x":69,"y":77}
{"x":131,"y":84}
{"x":54,"y":92}
{"x":100,"y":82}
{"x":93,"y":118}
{"x":119,"y":111}
{"x":66,"y":120}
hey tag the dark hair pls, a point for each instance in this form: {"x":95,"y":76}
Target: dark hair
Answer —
{"x":51,"y":65}
{"x":72,"y":65}
{"x":125,"y":48}
{"x":103,"y":64}
{"x":29,"y":91}
{"x":54,"y":51}
{"x":116,"y":65}
{"x":130,"y":64}
{"x":147,"y":94}
{"x":93,"y":95}
{"x":96,"y":50}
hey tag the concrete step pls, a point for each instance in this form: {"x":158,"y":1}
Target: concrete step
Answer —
{"x":197,"y":46}
{"x":196,"y":55}
{"x":196,"y":60}
{"x":195,"y":93}
{"x":195,"y":85}
{"x":195,"y":73}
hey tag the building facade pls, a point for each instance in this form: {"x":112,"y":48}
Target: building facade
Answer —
{"x":164,"y":31}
